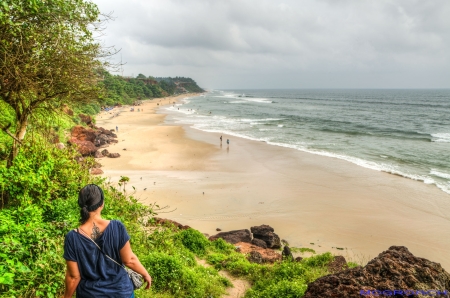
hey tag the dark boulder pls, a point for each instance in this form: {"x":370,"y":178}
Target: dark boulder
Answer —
{"x":105,"y":152}
{"x":259,"y":242}
{"x":101,"y":140}
{"x":255,"y":257}
{"x":234,"y":236}
{"x":338,"y":264}
{"x":98,"y":154}
{"x":287,"y":254}
{"x":266,"y":233}
{"x":113,"y":155}
{"x":393,"y":269}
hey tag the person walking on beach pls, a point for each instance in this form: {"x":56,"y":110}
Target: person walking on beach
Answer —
{"x":117,"y":128}
{"x":90,"y":249}
{"x":220,"y":139}
{"x":228,"y":142}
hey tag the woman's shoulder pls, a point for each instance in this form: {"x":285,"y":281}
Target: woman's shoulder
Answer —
{"x":117,"y":224}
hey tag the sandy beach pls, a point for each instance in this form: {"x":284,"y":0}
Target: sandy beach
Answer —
{"x":310,"y":200}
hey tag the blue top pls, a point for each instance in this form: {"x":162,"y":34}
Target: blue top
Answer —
{"x":100,"y":277}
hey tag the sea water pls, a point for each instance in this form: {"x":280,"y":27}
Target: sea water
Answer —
{"x":403,"y":132}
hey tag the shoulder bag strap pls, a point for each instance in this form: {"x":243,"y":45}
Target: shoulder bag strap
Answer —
{"x":100,"y":248}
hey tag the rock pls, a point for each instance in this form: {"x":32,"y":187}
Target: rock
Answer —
{"x":60,"y":146}
{"x":105,"y":152}
{"x":298,"y":259}
{"x":218,"y":230}
{"x":98,"y":154}
{"x":266,"y":233}
{"x":284,"y":242}
{"x":234,"y":236}
{"x":165,"y":221}
{"x":261,"y":230}
{"x":259,"y":242}
{"x":96,"y":171}
{"x":393,"y":269}
{"x":287,"y":254}
{"x":338,"y":264}
{"x":82,"y":134}
{"x":262,"y":255}
{"x":255,"y":257}
{"x":97,"y":165}
{"x":101,"y":140}
{"x":85,"y":118}
{"x":113,"y":155}
{"x":86,"y":148}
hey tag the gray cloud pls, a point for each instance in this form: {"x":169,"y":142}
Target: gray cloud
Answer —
{"x":288,"y":44}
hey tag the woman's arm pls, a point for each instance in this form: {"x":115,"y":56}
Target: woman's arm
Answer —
{"x":72,"y":278}
{"x":130,"y":260}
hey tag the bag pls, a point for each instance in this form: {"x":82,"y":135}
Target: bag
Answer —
{"x":136,"y":279}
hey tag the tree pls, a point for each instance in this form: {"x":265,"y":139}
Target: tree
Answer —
{"x":141,"y":76}
{"x":48,"y":57}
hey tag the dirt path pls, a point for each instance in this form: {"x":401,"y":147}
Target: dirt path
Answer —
{"x":239,"y":285}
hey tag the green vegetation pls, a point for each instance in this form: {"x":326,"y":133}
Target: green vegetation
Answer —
{"x":56,"y":69}
{"x":44,"y":182}
{"x":48,"y":57}
{"x":302,"y":250}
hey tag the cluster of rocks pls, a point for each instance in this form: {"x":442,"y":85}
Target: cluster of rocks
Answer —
{"x":259,"y":243}
{"x":91,"y":141}
{"x":395,"y":269}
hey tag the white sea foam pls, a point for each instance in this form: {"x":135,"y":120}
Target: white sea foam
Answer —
{"x":443,"y":137}
{"x":440,"y":174}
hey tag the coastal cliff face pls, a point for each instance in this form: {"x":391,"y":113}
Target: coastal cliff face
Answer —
{"x":394,"y":269}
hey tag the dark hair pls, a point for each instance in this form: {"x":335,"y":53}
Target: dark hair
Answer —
{"x":90,"y":199}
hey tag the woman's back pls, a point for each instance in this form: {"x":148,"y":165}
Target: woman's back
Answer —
{"x":100,"y":276}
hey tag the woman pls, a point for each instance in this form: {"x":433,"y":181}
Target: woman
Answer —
{"x":89,"y":271}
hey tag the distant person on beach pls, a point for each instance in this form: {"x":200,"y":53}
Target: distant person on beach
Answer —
{"x":117,"y":128}
{"x":228,"y":142}
{"x":96,"y":251}
{"x":220,"y":139}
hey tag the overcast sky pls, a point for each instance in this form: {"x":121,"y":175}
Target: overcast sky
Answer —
{"x":285,"y":44}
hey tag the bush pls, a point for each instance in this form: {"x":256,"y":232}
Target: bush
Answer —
{"x":194,"y":241}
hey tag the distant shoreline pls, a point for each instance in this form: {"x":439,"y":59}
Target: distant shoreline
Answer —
{"x":307,"y":198}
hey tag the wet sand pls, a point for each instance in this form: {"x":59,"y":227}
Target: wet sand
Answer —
{"x":306,"y":198}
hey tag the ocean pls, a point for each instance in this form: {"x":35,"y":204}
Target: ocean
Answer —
{"x":403,"y":132}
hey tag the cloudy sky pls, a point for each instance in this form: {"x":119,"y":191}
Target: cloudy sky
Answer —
{"x":285,"y":44}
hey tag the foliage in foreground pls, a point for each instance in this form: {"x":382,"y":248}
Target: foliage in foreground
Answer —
{"x":44,"y":183}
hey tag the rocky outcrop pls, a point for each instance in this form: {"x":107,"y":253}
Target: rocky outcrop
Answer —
{"x":89,"y":140}
{"x":258,"y":254}
{"x":85,"y":148}
{"x":266,"y":233}
{"x":98,"y":154}
{"x":338,"y":264}
{"x":259,"y":242}
{"x":393,"y":269}
{"x":234,"y":236}
{"x":105,"y":152}
{"x":113,"y":155}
